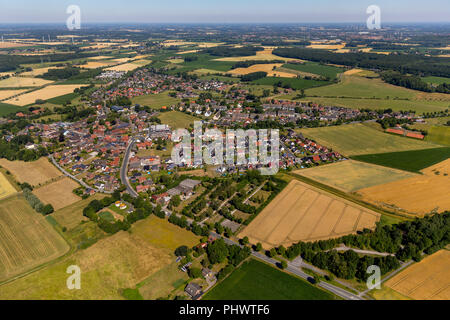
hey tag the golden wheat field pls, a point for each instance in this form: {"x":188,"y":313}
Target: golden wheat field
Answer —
{"x":26,"y":238}
{"x":37,"y":71}
{"x":59,"y":193}
{"x":16,"y":82}
{"x":35,"y":172}
{"x":269,"y":68}
{"x":265,"y":54}
{"x":4,"y":94}
{"x":124,"y":67}
{"x":417,"y":195}
{"x":49,"y":92}
{"x":427,"y":280}
{"x":304,"y":213}
{"x":6,"y":189}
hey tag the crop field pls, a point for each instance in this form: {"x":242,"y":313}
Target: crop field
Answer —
{"x":120,"y":261}
{"x":59,"y":193}
{"x":356,"y":139}
{"x":16,"y":82}
{"x":4,"y":94}
{"x":156,"y":101}
{"x":352,"y":175}
{"x":304,"y":213}
{"x":124,"y":67}
{"x":177,"y":120}
{"x":269,"y":68}
{"x":294,"y":83}
{"x":265,"y":54}
{"x":316,"y":68}
{"x":6,"y":188}
{"x":35,"y":172}
{"x":439,"y":135}
{"x":426,"y":280}
{"x":417,"y":195}
{"x":414,"y":160}
{"x":49,"y":92}
{"x":72,"y":215}
{"x":37,"y":71}
{"x":255,"y":280}
{"x":27,"y":240}
{"x":436,"y":80}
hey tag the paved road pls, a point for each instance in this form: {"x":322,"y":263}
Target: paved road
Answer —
{"x":298,"y":272}
{"x":84,"y":184}
{"x":375,"y":253}
{"x":124,"y":167}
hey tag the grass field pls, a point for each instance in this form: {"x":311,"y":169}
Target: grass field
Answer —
{"x":156,"y":101}
{"x":436,"y":80}
{"x":72,"y":215}
{"x":316,"y":68}
{"x":414,"y":160}
{"x":177,"y":120}
{"x":6,"y":108}
{"x":304,"y":213}
{"x":439,"y":135}
{"x":356,"y":139}
{"x":27,"y":240}
{"x":255,"y":280}
{"x":35,"y":172}
{"x":418,"y":195}
{"x":426,"y":280}
{"x":294,"y":83}
{"x":352,"y":175}
{"x":6,"y":188}
{"x":48,"y":92}
{"x":59,"y":193}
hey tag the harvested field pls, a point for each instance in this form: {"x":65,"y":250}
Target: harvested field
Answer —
{"x":124,"y":67}
{"x":37,"y":71}
{"x":44,"y":93}
{"x":427,"y":280}
{"x":4,"y":94}
{"x":35,"y":172}
{"x":269,"y":68}
{"x":418,"y":195}
{"x":302,"y":212}
{"x":355,"y":139}
{"x":6,"y":188}
{"x":59,"y":194}
{"x":352,"y":175}
{"x":265,"y":54}
{"x":97,"y":64}
{"x":72,"y":215}
{"x":16,"y":82}
{"x":26,"y":238}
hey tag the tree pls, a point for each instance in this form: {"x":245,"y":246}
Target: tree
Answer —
{"x":283,"y":264}
{"x":181,"y":251}
{"x":258,"y":247}
{"x":195,"y":272}
{"x":217,"y":251}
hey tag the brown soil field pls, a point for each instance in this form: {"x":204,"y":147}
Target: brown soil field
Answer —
{"x":427,"y":280}
{"x":26,"y":238}
{"x":59,"y":194}
{"x":304,"y":213}
{"x":417,"y":195}
{"x":49,"y":92}
{"x":35,"y":172}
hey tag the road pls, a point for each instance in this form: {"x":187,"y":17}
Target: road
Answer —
{"x":298,"y":272}
{"x":124,"y":167}
{"x":84,"y":184}
{"x":371,"y":252}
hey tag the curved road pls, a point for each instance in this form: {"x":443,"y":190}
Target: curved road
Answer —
{"x":124,"y":167}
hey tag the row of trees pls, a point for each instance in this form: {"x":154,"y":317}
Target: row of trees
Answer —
{"x":36,"y":204}
{"x":412,"y":82}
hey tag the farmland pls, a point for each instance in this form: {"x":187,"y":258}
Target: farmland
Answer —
{"x":414,"y":160}
{"x":256,"y":280}
{"x":59,"y":193}
{"x":294,"y":83}
{"x":303,"y":213}
{"x":177,"y":120}
{"x":417,"y":195}
{"x":48,"y":92}
{"x":352,"y":175}
{"x":4,"y":94}
{"x":17,"y":82}
{"x":316,"y":68}
{"x":156,"y":101}
{"x":269,"y":68}
{"x":356,"y":139}
{"x":426,"y":280}
{"x":35,"y":173}
{"x":27,"y":240}
{"x":439,"y":135}
{"x":6,"y":188}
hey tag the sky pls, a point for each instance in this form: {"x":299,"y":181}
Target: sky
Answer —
{"x":224,"y":11}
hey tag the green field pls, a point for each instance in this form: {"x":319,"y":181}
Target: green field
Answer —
{"x":439,"y":135}
{"x":356,"y":139}
{"x":155,"y":101}
{"x":256,"y":280}
{"x":316,"y":68}
{"x":413,"y":161}
{"x":436,"y":80}
{"x":204,"y":61}
{"x":293,"y":83}
{"x":6,"y":109}
{"x":177,"y":120}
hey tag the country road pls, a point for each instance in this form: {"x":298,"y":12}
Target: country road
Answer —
{"x":124,"y":167}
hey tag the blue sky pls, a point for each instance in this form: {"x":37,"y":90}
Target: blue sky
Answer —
{"x":225,"y":11}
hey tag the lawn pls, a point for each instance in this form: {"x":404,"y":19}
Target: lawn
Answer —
{"x":177,"y":120}
{"x":413,"y":161}
{"x":156,"y":101}
{"x":255,"y":280}
{"x":357,"y":139}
